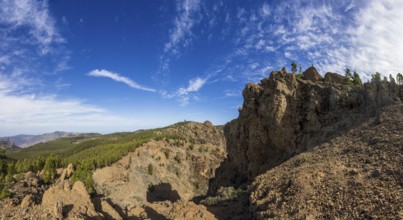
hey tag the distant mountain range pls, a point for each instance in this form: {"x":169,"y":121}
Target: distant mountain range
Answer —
{"x":24,"y":141}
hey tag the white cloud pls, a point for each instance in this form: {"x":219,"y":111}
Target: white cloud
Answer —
{"x":194,"y":86}
{"x":185,"y":94}
{"x":188,"y":93}
{"x":183,"y":25}
{"x":33,"y":15}
{"x":361,"y":35}
{"x":31,"y":113}
{"x":265,"y":10}
{"x":119,"y":78}
{"x":180,"y":36}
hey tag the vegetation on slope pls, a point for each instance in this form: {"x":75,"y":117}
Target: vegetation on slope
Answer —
{"x":86,"y":153}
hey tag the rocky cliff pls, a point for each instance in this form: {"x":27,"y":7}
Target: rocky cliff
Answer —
{"x":283,"y":116}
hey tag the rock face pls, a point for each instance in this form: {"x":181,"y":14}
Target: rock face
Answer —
{"x":356,"y":175}
{"x":312,"y":74}
{"x":283,"y":116}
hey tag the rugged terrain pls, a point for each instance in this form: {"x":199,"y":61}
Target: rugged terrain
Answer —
{"x":283,"y":116}
{"x":165,"y":170}
{"x":156,"y":180}
{"x":357,"y":175}
{"x":318,"y":150}
{"x":307,"y":147}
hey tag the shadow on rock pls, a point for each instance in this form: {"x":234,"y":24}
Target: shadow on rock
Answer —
{"x":152,"y":214}
{"x":162,"y":192}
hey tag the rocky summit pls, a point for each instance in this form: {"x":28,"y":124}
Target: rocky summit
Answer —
{"x":303,"y":147}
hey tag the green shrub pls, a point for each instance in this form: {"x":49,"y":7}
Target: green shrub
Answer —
{"x":150,"y":169}
{"x":177,"y":159}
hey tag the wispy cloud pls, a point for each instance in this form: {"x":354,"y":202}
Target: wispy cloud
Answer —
{"x":180,"y":35}
{"x":187,"y":93}
{"x":357,"y":34}
{"x":119,"y":78}
{"x":194,"y":86}
{"x":30,"y":42}
{"x":33,"y":15}
{"x":181,"y":32}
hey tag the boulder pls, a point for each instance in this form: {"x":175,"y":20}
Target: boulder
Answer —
{"x":27,"y":201}
{"x":70,"y":170}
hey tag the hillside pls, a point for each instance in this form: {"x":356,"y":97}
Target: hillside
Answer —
{"x":24,"y":141}
{"x":7,"y":144}
{"x":140,"y":171}
{"x":357,"y":175}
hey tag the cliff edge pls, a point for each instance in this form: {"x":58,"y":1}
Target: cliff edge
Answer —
{"x":283,"y":116}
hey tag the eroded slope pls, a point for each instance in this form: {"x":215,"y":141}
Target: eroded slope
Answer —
{"x":357,"y":175}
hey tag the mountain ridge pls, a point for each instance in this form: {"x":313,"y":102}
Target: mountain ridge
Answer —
{"x":25,"y":140}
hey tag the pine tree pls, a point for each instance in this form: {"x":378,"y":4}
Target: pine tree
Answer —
{"x":392,"y":80}
{"x":349,"y":77}
{"x":49,"y":170}
{"x":293,"y":67}
{"x":356,"y":79}
{"x":399,"y":78}
{"x":83,"y":173}
{"x":376,"y":77}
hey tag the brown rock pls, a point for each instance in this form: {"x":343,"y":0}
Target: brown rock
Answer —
{"x":58,"y":210}
{"x":110,"y":211}
{"x":282,"y":116}
{"x":208,"y":123}
{"x":70,"y":170}
{"x":27,"y":201}
{"x":189,"y":210}
{"x":312,"y":74}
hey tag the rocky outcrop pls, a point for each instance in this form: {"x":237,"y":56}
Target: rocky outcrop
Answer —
{"x":170,"y":171}
{"x":283,"y":116}
{"x":312,"y":74}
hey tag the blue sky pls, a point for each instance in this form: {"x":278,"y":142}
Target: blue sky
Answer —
{"x":105,"y":66}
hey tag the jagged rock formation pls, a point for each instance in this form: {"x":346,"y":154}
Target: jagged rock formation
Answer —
{"x":284,"y":116}
{"x":312,"y":74}
{"x":34,"y":200}
{"x":349,"y":156}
